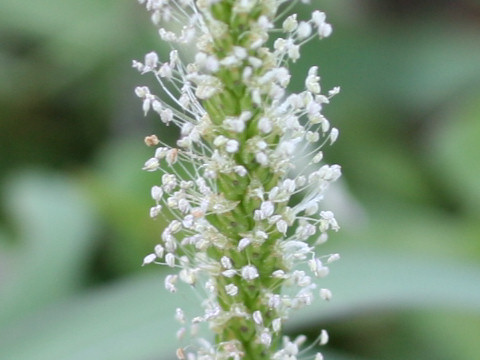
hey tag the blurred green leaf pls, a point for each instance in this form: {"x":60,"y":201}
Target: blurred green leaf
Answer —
{"x":120,"y":191}
{"x":54,"y":236}
{"x":455,"y":152}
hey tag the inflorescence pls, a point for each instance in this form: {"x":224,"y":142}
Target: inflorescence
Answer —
{"x":243,"y":185}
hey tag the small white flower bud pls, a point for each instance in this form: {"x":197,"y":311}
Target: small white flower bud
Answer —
{"x":151,"y":60}
{"x":157,"y":193}
{"x":170,"y":281}
{"x":255,"y":62}
{"x":159,"y":250}
{"x":240,"y":170}
{"x":180,"y":316}
{"x":220,"y":141}
{"x":265,"y":125}
{"x":181,"y":333}
{"x":279,"y":274}
{"x":243,"y":243}
{"x":165,"y":71}
{"x":229,"y":273}
{"x":323,"y":337}
{"x":150,"y":258}
{"x":157,"y":106}
{"x":318,"y":157}
{"x":166,"y":115}
{"x":325,"y":30}
{"x":311,"y":208}
{"x":290,"y":23}
{"x":334,"y":91}
{"x":142,"y":91}
{"x":257,"y":317}
{"x":266,"y":338}
{"x":304,"y":30}
{"x":282,"y":226}
{"x":226,"y":262}
{"x":333,"y":135}
{"x":277,"y":324}
{"x":332,"y":258}
{"x":232,"y":146}
{"x":249,"y":272}
{"x":171,"y":156}
{"x":325,"y":294}
{"x":151,"y":164}
{"x":231,"y":289}
{"x":240,"y":52}
{"x":155,"y":211}
{"x":261,"y":158}
{"x":170,"y":259}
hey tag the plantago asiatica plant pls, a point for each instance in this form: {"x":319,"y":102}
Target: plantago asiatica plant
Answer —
{"x":243,"y":185}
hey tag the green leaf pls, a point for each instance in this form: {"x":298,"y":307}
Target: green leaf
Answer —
{"x":455,"y":151}
{"x":55,"y":227}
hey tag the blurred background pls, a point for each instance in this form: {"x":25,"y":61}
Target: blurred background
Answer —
{"x":74,"y":204}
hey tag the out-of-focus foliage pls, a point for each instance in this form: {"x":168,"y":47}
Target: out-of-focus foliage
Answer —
{"x":74,"y":223}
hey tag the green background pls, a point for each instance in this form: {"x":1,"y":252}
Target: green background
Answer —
{"x":74,"y":223}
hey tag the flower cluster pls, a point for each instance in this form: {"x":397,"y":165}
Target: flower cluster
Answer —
{"x":243,"y":185}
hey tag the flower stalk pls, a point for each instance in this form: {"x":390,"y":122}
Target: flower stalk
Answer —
{"x":243,"y":186}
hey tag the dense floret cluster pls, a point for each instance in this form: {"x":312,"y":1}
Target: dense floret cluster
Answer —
{"x":243,"y":184}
